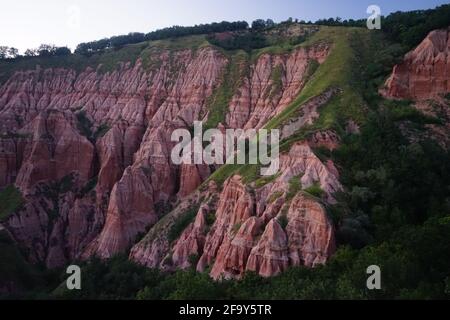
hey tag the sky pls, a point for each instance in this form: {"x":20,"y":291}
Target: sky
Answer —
{"x":28,"y":23}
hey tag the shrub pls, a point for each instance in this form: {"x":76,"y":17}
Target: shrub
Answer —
{"x":283,"y":221}
{"x":295,"y":185}
{"x":84,"y":125}
{"x":315,"y":190}
{"x":181,"y":223}
{"x":10,"y":201}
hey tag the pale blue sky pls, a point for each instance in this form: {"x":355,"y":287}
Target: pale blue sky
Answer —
{"x":28,"y":23}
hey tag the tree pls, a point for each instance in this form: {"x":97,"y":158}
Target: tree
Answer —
{"x":270,"y":23}
{"x":62,"y":51}
{"x":116,"y":42}
{"x":31,"y":53}
{"x":46,"y":50}
{"x":8,"y":52}
{"x":13,"y":53}
{"x":258,"y":24}
{"x":3,"y":52}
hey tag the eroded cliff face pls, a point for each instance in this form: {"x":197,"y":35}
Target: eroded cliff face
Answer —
{"x":90,"y":153}
{"x":108,"y":137}
{"x":424,"y":72}
{"x":274,"y":81}
{"x":241,"y":231}
{"x":424,"y":77}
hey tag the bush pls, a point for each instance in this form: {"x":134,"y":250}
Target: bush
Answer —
{"x":182,"y":223}
{"x":283,"y":221}
{"x":10,"y":201}
{"x":84,"y":125}
{"x":315,"y":190}
{"x":244,"y":41}
{"x":166,"y":33}
{"x":295,"y":185}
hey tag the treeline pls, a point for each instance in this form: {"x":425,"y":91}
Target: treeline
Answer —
{"x":410,"y":28}
{"x":407,"y":28}
{"x":44,"y":50}
{"x":171,"y":32}
{"x":245,"y":41}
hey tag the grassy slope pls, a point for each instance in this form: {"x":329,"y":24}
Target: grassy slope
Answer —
{"x":336,"y":71}
{"x":219,"y":101}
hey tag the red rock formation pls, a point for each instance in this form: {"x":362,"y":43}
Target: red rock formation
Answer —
{"x":260,"y":98}
{"x":310,"y":232}
{"x":235,"y":206}
{"x":325,"y":139}
{"x":307,"y":114}
{"x":115,"y":150}
{"x":270,"y":256}
{"x":154,"y":250}
{"x":11,"y":154}
{"x":301,"y":163}
{"x":128,"y":116}
{"x":127,"y":102}
{"x":55,"y":150}
{"x":191,"y":241}
{"x":245,"y":236}
{"x":425,"y":71}
{"x":233,"y":254}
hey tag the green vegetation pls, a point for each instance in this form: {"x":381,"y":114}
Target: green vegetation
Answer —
{"x":392,"y":180}
{"x":335,"y":72}
{"x":315,"y":190}
{"x":410,"y":28}
{"x":261,"y":182}
{"x":246,"y":41}
{"x":90,"y":185}
{"x":210,"y":218}
{"x":109,"y":61}
{"x":166,"y":33}
{"x":85,"y":127}
{"x":295,"y":186}
{"x":274,"y":196}
{"x":236,"y":228}
{"x":101,"y":131}
{"x":13,"y":266}
{"x":404,"y":111}
{"x":10,"y":201}
{"x":84,"y":124}
{"x":219,"y":101}
{"x":277,"y":82}
{"x":394,"y":212}
{"x":283,"y":221}
{"x":248,"y":172}
{"x":340,"y":70}
{"x":182,"y":223}
{"x":414,"y":262}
